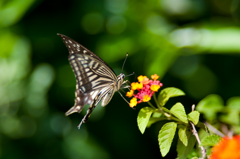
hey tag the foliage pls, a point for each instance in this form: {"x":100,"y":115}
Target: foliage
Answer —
{"x":176,"y":113}
{"x":192,"y":45}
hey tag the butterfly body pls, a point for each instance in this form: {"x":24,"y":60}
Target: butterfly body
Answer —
{"x":95,"y":80}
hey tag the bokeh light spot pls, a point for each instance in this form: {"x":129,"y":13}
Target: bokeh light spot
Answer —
{"x":176,"y":6}
{"x":158,"y":25}
{"x":60,"y":124}
{"x":201,"y":83}
{"x":92,"y":23}
{"x":116,"y":24}
{"x":116,"y":6}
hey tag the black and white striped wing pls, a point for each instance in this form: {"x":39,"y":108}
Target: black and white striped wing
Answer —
{"x":91,"y":72}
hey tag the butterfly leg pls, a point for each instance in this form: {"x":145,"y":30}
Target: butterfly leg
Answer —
{"x":85,"y":118}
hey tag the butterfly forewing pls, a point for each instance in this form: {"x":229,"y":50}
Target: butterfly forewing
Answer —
{"x":96,"y":81}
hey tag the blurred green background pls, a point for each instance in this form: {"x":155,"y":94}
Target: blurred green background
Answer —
{"x":192,"y":44}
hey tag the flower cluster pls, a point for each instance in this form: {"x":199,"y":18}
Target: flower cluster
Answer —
{"x":227,"y":148}
{"x":145,"y":89}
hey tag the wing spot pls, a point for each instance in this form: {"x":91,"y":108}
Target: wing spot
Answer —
{"x":70,"y":41}
{"x":78,"y":107}
{"x":83,"y":89}
{"x":74,"y":45}
{"x":69,"y":46}
{"x":84,"y":51}
{"x":72,"y":57}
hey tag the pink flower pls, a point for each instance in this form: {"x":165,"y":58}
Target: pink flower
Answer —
{"x":145,"y":88}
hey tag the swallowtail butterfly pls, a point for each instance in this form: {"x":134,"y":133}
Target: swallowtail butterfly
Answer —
{"x":95,"y":80}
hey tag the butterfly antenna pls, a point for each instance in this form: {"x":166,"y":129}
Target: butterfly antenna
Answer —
{"x":123,"y":97}
{"x":130,"y":74}
{"x":124,"y":61}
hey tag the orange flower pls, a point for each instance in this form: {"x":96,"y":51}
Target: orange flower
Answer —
{"x":146,"y":98}
{"x":155,"y":88}
{"x":133,"y":102}
{"x":227,"y":148}
{"x":143,"y":79}
{"x":130,"y":93}
{"x":154,"y":77}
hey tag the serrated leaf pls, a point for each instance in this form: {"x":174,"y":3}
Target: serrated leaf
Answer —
{"x":194,"y":117}
{"x":234,"y":103}
{"x":143,"y":118}
{"x":210,"y":105}
{"x":210,"y":140}
{"x":167,"y":93}
{"x":182,"y":135}
{"x":165,"y":137}
{"x":178,"y":111}
{"x":182,"y":150}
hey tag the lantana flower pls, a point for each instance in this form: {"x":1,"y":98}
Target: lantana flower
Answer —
{"x":227,"y":148}
{"x":144,"y":89}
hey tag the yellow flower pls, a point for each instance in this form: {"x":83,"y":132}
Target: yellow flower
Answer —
{"x":130,"y":93}
{"x":140,"y":85}
{"x":133,"y":102}
{"x":154,"y":77}
{"x":227,"y":148}
{"x":141,"y":77}
{"x":146,"y":98}
{"x":134,"y":85}
{"x":155,"y":88}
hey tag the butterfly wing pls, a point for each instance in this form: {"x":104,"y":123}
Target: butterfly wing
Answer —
{"x":91,"y":72}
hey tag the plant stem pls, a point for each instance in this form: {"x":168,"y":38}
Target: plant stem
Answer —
{"x":156,"y":101}
{"x":151,"y":105}
{"x":203,"y":151}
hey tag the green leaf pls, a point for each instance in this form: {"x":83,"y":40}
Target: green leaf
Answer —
{"x":179,"y":111}
{"x":210,"y":140}
{"x":167,"y":93}
{"x":165,"y":137}
{"x":182,"y":134}
{"x":210,"y":105}
{"x":156,"y":115}
{"x":143,"y":118}
{"x":234,"y":103}
{"x":155,"y":118}
{"x":182,"y":150}
{"x":194,"y":117}
{"x":194,"y":158}
{"x":232,"y":117}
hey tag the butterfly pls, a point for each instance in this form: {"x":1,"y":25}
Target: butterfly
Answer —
{"x":95,"y":80}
